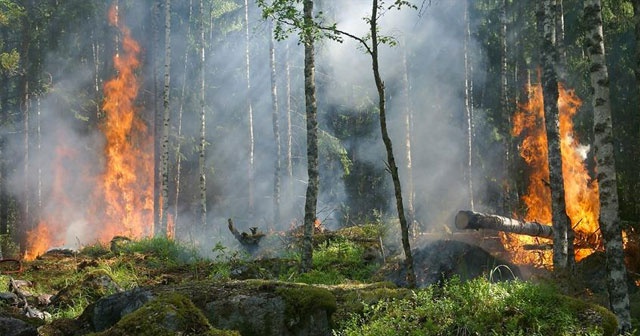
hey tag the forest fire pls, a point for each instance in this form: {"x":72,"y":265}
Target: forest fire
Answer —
{"x":121,"y":202}
{"x":126,"y":195}
{"x":581,"y":192}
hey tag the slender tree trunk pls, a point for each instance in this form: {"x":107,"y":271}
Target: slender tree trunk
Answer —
{"x":289,"y":154}
{"x":606,"y":167}
{"x":411,"y":276}
{"x":408,"y":128}
{"x":251,"y":168}
{"x":163,"y":229}
{"x":635,"y":185}
{"x":39,"y":167}
{"x":468,"y":84}
{"x":505,"y":107}
{"x":24,"y":97}
{"x":311,"y":107}
{"x":560,"y":220}
{"x":178,"y":175}
{"x":560,"y":45}
{"x":202,"y":147}
{"x":275,"y":118}
{"x":156,"y":119}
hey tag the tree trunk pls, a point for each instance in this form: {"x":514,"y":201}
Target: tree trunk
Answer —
{"x":275,"y":119}
{"x":507,"y":202}
{"x":476,"y":220}
{"x":251,"y":167}
{"x":178,"y":154}
{"x":561,"y":223}
{"x":163,"y":230}
{"x":289,"y":155}
{"x":408,"y":128}
{"x":203,"y":126}
{"x":156,"y":119}
{"x":411,"y":276}
{"x":606,"y":168}
{"x":560,"y":45}
{"x":311,"y":199}
{"x":468,"y":106}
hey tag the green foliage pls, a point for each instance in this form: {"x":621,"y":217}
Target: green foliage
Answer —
{"x":339,"y":260}
{"x":479,"y":307}
{"x":162,"y":251}
{"x":332,"y":150}
{"x":10,"y":61}
{"x":224,"y":261}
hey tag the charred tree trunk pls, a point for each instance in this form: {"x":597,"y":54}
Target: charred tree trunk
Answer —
{"x":476,"y":220}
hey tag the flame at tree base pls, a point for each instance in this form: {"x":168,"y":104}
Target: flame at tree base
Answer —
{"x":121,"y":202}
{"x":581,"y":191}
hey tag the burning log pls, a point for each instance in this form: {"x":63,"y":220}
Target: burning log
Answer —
{"x":476,"y":220}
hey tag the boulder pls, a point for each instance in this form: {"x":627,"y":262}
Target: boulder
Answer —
{"x":440,"y":260}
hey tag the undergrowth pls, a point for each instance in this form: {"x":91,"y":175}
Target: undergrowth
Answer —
{"x":476,"y":307}
{"x":480,"y":307}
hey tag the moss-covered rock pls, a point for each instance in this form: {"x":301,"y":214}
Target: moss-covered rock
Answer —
{"x":170,"y":314}
{"x":352,"y":298}
{"x":260,"y":307}
{"x":593,"y":315}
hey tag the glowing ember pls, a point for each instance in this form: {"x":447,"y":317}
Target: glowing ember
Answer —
{"x":121,"y":203}
{"x":581,"y":192}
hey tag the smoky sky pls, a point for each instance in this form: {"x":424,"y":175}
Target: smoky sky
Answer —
{"x":431,"y":41}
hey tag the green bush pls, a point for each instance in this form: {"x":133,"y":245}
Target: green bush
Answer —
{"x":339,"y":260}
{"x":479,"y":307}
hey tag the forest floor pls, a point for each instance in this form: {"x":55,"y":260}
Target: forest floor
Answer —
{"x":61,"y":284}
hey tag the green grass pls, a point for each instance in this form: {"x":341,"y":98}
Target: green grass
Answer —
{"x":479,"y":307}
{"x":335,"y":262}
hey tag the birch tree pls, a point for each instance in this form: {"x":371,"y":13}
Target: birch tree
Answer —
{"x":251,"y":167}
{"x":468,"y":104}
{"x":560,"y":219}
{"x":605,"y":165}
{"x":275,"y":119}
{"x":202,"y":169}
{"x":164,"y":155}
{"x":288,"y":19}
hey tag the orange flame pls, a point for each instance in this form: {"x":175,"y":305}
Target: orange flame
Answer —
{"x":126,"y":196}
{"x":50,"y":231}
{"x":122,"y":200}
{"x":581,"y":192}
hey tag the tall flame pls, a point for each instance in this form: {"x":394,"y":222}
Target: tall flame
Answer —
{"x":126,"y":196}
{"x":581,"y":192}
{"x":121,"y":202}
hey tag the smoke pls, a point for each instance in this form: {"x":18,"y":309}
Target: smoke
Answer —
{"x":430,"y":40}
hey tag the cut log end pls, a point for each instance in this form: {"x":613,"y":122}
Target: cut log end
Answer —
{"x":462,"y":220}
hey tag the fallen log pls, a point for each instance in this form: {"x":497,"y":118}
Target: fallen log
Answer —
{"x":475,"y":220}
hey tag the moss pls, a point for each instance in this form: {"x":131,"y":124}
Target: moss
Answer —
{"x":604,"y":318}
{"x":353,"y":298}
{"x":302,"y":300}
{"x":634,"y":300}
{"x":167,"y":315}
